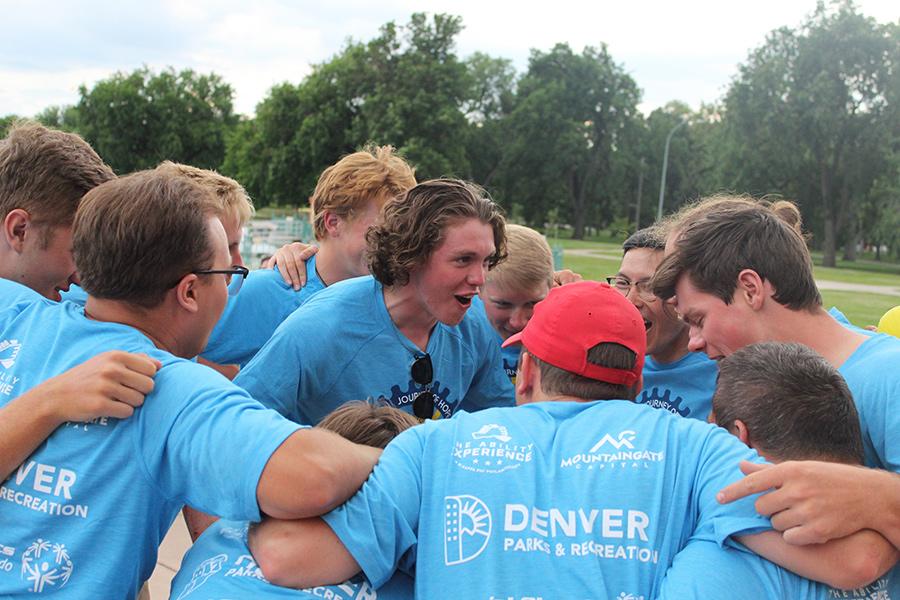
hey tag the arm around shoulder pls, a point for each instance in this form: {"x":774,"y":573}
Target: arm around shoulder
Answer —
{"x":312,"y":472}
{"x":300,"y":554}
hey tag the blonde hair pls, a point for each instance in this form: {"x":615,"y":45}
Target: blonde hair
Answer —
{"x":529,"y":261}
{"x":786,"y":210}
{"x":375,"y":173}
{"x":231,"y":196}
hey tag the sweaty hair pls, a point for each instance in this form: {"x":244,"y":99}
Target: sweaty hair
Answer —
{"x":46,"y":173}
{"x":529,"y":262}
{"x":795,"y":404}
{"x":135,"y":237}
{"x":374,"y":173}
{"x":714,"y":246}
{"x":413,"y":225}
{"x":556,"y":381}
{"x":367,"y":423}
{"x":651,"y":238}
{"x":231,"y":195}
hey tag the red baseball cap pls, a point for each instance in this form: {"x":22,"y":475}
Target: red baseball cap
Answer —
{"x":574,"y":318}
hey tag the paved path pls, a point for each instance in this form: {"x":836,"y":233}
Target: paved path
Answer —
{"x":824,"y":284}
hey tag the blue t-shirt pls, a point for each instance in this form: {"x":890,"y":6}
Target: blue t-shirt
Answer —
{"x":510,"y":354}
{"x":551,"y":499}
{"x":83,"y":516}
{"x":704,"y":570}
{"x":219,"y":566}
{"x":342,"y":345}
{"x":13,"y":293}
{"x":253,"y":315}
{"x":75,"y":294}
{"x":684,"y":387}
{"x":872,"y":373}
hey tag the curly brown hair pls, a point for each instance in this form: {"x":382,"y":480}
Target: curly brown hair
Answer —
{"x":413,"y":225}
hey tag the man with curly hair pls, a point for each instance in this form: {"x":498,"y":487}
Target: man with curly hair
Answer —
{"x":404,"y":334}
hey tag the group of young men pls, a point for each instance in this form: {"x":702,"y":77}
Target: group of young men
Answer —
{"x":117,"y":409}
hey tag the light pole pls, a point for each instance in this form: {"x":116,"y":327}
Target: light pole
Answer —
{"x":662,"y":179}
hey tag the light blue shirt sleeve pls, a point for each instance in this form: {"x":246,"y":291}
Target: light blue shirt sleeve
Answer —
{"x":210,"y":449}
{"x":253,"y":315}
{"x":379,"y":525}
{"x":491,"y":387}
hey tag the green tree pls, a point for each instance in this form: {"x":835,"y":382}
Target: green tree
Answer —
{"x":139,"y":119}
{"x":809,"y":114}
{"x":573,"y":112}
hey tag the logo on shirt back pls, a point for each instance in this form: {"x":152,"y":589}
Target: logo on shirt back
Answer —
{"x":467,"y":528}
{"x":614,"y":452}
{"x":490,"y":450}
{"x":9,"y":350}
{"x":46,"y":566}
{"x":204,"y":571}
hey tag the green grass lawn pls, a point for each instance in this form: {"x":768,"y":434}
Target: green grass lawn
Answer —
{"x":860,"y":308}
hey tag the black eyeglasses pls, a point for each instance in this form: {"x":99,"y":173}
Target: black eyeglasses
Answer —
{"x":624,"y":285}
{"x":240,"y":272}
{"x":422,"y":373}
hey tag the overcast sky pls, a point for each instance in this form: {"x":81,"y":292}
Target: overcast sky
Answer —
{"x":676,"y":50}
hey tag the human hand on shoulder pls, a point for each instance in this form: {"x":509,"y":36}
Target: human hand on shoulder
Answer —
{"x":111,"y":384}
{"x":812,"y":502}
{"x":291,"y":260}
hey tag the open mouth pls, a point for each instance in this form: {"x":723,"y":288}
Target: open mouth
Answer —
{"x":464,"y":300}
{"x":647,"y":324}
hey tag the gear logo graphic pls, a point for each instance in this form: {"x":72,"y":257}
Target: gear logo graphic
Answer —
{"x":46,"y":564}
{"x":467,"y":529}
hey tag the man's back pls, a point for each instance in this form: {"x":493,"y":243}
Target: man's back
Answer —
{"x":83,"y":516}
{"x":594,"y":498}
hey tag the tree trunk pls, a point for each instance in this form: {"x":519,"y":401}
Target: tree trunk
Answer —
{"x":830,"y":243}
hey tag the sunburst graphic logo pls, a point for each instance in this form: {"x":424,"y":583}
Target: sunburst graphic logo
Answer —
{"x":9,"y":350}
{"x":467,"y":528}
{"x":46,"y":564}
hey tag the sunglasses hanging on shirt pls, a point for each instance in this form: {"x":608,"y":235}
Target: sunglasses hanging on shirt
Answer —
{"x":422,"y":373}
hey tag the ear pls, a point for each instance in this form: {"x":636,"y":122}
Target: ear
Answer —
{"x":186,"y":293}
{"x":751,"y":288}
{"x":528,"y":378}
{"x":333,"y":223}
{"x":16,"y":226}
{"x":739,"y":428}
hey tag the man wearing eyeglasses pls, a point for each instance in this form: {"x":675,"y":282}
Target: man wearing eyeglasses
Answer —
{"x":675,"y":379}
{"x":83,"y":515}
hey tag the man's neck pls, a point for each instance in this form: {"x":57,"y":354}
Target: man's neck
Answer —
{"x":152,"y":323}
{"x":675,"y":351}
{"x":329,"y":266}
{"x":408,"y":315}
{"x":817,"y":330}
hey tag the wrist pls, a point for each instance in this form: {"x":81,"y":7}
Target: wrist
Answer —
{"x":45,"y":409}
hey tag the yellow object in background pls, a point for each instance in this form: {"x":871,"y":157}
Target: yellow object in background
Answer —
{"x":890,"y":322}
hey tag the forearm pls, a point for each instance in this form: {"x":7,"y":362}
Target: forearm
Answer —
{"x":24,"y":425}
{"x":884,"y":487}
{"x":846,"y":563}
{"x":312,"y":472}
{"x":301,"y":553}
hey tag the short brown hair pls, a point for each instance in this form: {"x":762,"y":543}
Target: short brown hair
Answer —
{"x":413,"y":226}
{"x":713,"y":248}
{"x":368,"y":423}
{"x":46,"y":172}
{"x":795,"y":404}
{"x":232,"y":197}
{"x":136,"y":236}
{"x":375,"y":173}
{"x":556,"y":381}
{"x":529,"y":261}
